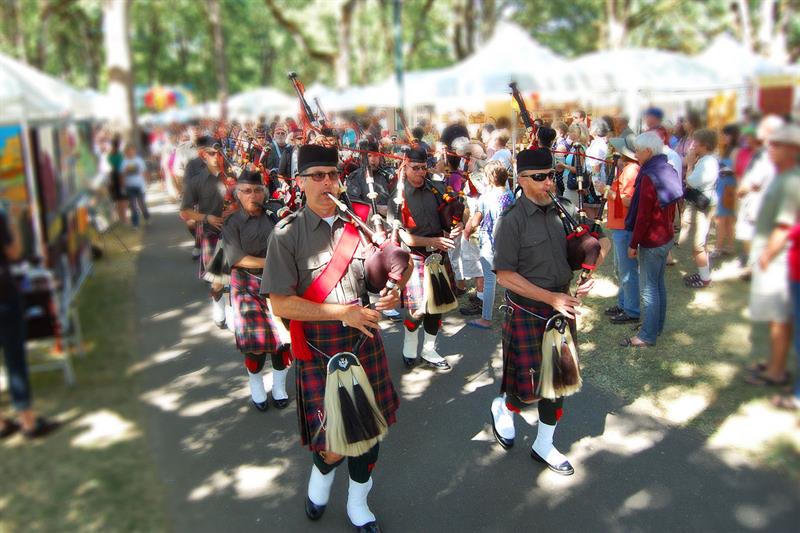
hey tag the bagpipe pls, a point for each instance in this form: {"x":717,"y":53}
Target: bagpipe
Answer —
{"x":560,"y":373}
{"x":530,"y":127}
{"x":386,"y":261}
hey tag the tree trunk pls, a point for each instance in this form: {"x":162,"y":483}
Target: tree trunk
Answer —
{"x":17,"y":29}
{"x":615,"y":24}
{"x":744,"y":21}
{"x":343,"y":59}
{"x":766,"y":26}
{"x":119,"y":66}
{"x":220,"y":64}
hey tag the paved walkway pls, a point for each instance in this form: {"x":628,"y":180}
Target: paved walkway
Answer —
{"x":229,"y":468}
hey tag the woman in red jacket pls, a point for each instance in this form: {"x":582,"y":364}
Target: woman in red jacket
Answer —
{"x":649,"y":218}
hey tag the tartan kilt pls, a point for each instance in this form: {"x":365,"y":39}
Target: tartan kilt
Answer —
{"x":208,"y":244}
{"x":413,"y":296}
{"x":310,"y":376}
{"x":522,"y":349}
{"x":254,"y":328}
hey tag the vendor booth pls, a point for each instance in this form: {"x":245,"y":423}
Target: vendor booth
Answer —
{"x":46,"y":168}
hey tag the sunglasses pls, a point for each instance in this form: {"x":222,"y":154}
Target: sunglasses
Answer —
{"x":320,"y":176}
{"x":258,"y":190}
{"x":540,"y":177}
{"x":418,"y":168}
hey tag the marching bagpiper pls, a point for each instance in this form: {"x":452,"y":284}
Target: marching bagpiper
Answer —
{"x":315,"y":277}
{"x":244,"y":239}
{"x":532,"y":264}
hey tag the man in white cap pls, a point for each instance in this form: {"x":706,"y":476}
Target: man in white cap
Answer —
{"x":769,"y":291}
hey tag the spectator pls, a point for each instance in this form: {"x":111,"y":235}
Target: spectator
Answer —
{"x":649,"y":220}
{"x":619,"y":199}
{"x":495,"y":199}
{"x":756,"y":179}
{"x":579,"y":117}
{"x":769,"y":291}
{"x":792,"y":401}
{"x":595,"y":165}
{"x":677,"y":163}
{"x":116,"y":184}
{"x":12,"y":337}
{"x":725,"y":192}
{"x":652,"y":118}
{"x":572,"y":167}
{"x":690,"y":124}
{"x":499,"y":145}
{"x":748,"y":145}
{"x":700,"y":203}
{"x":133,"y":168}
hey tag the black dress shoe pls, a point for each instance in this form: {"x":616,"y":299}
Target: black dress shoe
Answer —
{"x":441,"y":366}
{"x":314,"y":511}
{"x":504,"y":442}
{"x":369,"y":527}
{"x":41,"y":427}
{"x":280,"y":404}
{"x":623,"y":318}
{"x":9,"y":428}
{"x":611,"y":311}
{"x":471,"y":309}
{"x":409,"y":362}
{"x":564,"y":469}
{"x":261,"y":406}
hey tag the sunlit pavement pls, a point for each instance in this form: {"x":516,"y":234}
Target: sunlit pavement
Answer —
{"x":228,"y":467}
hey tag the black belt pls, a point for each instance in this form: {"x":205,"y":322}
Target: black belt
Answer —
{"x":254,"y":271}
{"x":530,"y":302}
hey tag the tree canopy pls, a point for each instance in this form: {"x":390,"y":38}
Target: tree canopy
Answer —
{"x":340,"y":42}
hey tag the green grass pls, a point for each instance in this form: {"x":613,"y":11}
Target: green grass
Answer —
{"x":80,"y":479}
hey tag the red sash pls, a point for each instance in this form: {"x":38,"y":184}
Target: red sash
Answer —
{"x":323,"y":284}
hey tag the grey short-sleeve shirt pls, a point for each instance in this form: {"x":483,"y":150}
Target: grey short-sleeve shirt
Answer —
{"x":424,"y":210}
{"x":243,"y":235}
{"x":204,"y":191}
{"x":529,"y":239}
{"x":299,"y":249}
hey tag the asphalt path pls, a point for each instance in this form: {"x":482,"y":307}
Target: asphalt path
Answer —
{"x":227,"y":467}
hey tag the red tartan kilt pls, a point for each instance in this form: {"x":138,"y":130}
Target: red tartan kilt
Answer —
{"x":332,"y":338}
{"x":254,"y":328}
{"x":413,"y":296}
{"x":208,"y":243}
{"x":522,"y":349}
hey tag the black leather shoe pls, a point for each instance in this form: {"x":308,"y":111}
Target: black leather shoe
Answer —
{"x":612,"y":311}
{"x":504,"y":442}
{"x":369,"y":527}
{"x":261,"y":406}
{"x":409,"y":362}
{"x":564,"y":469}
{"x":314,"y":511}
{"x":280,"y":404}
{"x":41,"y":428}
{"x":471,"y":309}
{"x":221,"y":325}
{"x":623,"y":318}
{"x":441,"y":366}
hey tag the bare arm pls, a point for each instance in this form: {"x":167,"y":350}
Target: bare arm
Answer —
{"x":776,"y":243}
{"x":473,"y":222}
{"x":250,"y":261}
{"x":297,"y":308}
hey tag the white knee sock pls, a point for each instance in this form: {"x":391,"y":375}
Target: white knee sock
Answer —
{"x":429,"y":352}
{"x":705,"y":273}
{"x":410,"y":343}
{"x":543,"y":445}
{"x":279,"y":384}
{"x":319,"y":486}
{"x":357,"y":508}
{"x":218,"y":309}
{"x":503,"y":418}
{"x":257,"y":390}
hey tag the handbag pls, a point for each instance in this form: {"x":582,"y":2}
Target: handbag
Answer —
{"x":697,"y":198}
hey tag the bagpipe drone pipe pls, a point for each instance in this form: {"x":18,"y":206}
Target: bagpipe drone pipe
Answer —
{"x":583,"y":249}
{"x":386,"y":261}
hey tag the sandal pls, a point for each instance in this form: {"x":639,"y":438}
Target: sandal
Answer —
{"x":761,"y":380}
{"x":697,"y":283}
{"x":688,"y":278}
{"x":790,"y":403}
{"x":9,"y":428}
{"x":627,"y":342}
{"x":756,"y":368}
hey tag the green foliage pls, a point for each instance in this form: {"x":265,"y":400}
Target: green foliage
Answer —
{"x":171,"y":39}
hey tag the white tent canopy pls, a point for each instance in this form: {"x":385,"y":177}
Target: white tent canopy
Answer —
{"x":734,"y":63}
{"x":510,"y":55}
{"x":28,"y":94}
{"x":258,"y":102}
